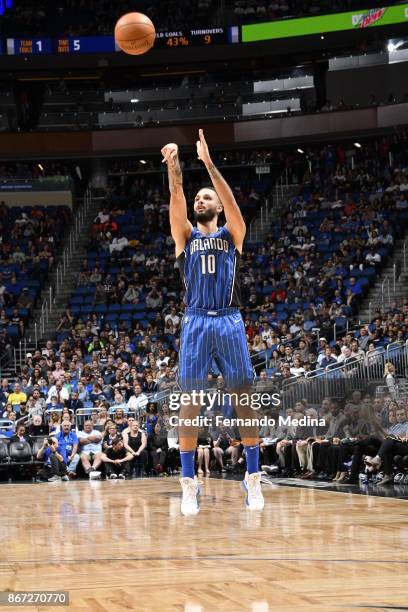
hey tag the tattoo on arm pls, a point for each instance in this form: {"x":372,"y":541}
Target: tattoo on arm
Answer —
{"x":175,"y":177}
{"x":213,"y":172}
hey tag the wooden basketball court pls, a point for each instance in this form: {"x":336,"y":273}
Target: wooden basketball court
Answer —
{"x":123,"y":545}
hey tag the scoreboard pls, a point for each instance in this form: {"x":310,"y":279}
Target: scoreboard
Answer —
{"x":28,"y":46}
{"x":106,"y":44}
{"x":68,"y":44}
{"x":85,"y":44}
{"x":197,"y":37}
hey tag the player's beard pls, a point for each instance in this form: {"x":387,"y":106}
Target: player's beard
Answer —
{"x":206,"y":216}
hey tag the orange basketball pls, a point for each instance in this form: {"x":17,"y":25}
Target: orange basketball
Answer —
{"x":135,"y":33}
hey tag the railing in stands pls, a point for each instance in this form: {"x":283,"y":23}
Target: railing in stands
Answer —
{"x":63,"y":266}
{"x":271,"y":207}
{"x":389,"y":286}
{"x":338,"y":380}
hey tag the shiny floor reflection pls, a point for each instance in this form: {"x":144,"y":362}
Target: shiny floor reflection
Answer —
{"x":124,"y":545}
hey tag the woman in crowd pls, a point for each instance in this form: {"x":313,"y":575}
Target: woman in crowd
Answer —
{"x":151,"y":418}
{"x":135,"y":441}
{"x":157,"y":448}
{"x":173,"y":453}
{"x":258,"y":344}
{"x":390,"y":378}
{"x":54,"y":422}
{"x":102,"y":417}
{"x":204,"y":446}
{"x":120,"y":419}
{"x":110,"y":433}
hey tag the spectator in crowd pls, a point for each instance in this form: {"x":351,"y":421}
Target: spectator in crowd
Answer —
{"x":90,"y":447}
{"x":135,"y":442}
{"x":389,"y":377}
{"x":37,"y":428}
{"x":116,"y":459}
{"x":21,"y":435}
{"x":204,"y":446}
{"x":157,"y":449}
{"x":17,"y":396}
{"x":225,"y":446}
{"x":54,"y":468}
{"x":110,"y":433}
{"x":173,"y":453}
{"x":396,"y":444}
{"x":68,"y":447}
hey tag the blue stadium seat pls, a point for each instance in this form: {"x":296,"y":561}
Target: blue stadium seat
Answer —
{"x":87,"y":310}
{"x":341,"y":322}
{"x":114,"y":308}
{"x":100,"y":308}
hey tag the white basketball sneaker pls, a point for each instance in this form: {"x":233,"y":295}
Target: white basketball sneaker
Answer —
{"x":191,"y":491}
{"x":252,"y":487}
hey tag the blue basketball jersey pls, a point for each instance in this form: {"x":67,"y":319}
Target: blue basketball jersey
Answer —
{"x":209,"y":268}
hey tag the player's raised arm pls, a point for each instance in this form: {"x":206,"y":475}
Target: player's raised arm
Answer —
{"x":180,"y":226}
{"x":235,"y":221}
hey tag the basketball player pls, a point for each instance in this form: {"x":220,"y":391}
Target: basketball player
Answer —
{"x":208,"y":258}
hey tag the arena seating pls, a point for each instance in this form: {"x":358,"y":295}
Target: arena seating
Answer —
{"x":30,"y":239}
{"x":117,"y":343}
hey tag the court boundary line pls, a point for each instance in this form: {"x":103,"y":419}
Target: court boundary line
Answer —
{"x":206,"y":558}
{"x":322,"y":490}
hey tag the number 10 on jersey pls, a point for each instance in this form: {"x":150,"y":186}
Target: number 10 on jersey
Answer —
{"x":208,"y":264}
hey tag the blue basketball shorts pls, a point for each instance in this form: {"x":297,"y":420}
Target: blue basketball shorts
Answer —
{"x":214,"y":335}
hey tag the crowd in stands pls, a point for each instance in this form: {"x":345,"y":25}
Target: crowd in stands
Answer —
{"x":339,"y":440}
{"x":361,"y":435}
{"x":29,"y":239}
{"x":113,"y":360}
{"x":314,"y":268}
{"x":97,"y":17}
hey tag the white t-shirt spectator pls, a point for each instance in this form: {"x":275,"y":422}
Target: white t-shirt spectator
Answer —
{"x":175,"y":319}
{"x":373,"y":258}
{"x":266,"y":335}
{"x":152,"y":261}
{"x":90,"y":447}
{"x":63,"y":394}
{"x":138,"y":258}
{"x":161,"y":360}
{"x":297,"y":371}
{"x":294,"y":328}
{"x":387,"y":239}
{"x":101,"y":217}
{"x":138,"y":402}
{"x":118,"y":244}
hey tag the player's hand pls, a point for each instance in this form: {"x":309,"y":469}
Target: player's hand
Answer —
{"x":202,"y":148}
{"x":169,"y":152}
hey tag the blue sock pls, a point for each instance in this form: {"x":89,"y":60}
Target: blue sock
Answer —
{"x":187,"y":464}
{"x":252,"y":458}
